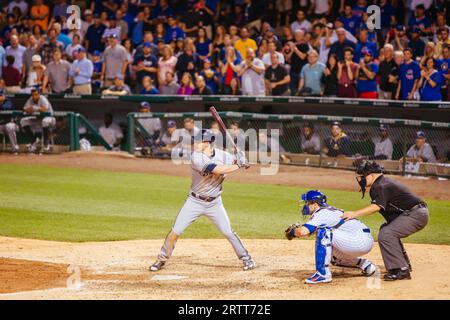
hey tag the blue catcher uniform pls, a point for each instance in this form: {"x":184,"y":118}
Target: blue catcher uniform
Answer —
{"x":338,"y":242}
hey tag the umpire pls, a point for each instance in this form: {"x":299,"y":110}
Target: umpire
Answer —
{"x":405,"y":214}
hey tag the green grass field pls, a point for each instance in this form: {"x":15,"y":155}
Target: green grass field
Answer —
{"x":87,"y":205}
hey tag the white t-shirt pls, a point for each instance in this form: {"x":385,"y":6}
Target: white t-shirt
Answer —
{"x":268,"y":61}
{"x":111,"y":134}
{"x":322,"y":6}
{"x":167,"y":65}
{"x":304,"y":25}
{"x":252,"y":82}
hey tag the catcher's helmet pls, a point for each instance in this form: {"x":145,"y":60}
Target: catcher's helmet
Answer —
{"x":204,"y":135}
{"x":313,"y":196}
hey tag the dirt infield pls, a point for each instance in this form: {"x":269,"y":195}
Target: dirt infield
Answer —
{"x":287,"y":175}
{"x":205,"y":270}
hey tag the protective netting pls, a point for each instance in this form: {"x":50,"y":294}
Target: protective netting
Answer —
{"x":402,"y":146}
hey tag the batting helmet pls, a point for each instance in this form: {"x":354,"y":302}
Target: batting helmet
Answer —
{"x":313,"y":196}
{"x":204,"y":135}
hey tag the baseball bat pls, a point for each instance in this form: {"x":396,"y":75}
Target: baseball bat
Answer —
{"x":223,"y":128}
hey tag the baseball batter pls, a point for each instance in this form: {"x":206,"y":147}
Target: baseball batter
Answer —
{"x":209,"y":168}
{"x":338,"y":242}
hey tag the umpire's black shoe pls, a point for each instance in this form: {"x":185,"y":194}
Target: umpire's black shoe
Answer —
{"x":397,"y":274}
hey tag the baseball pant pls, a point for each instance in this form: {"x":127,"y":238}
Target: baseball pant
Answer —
{"x":10,"y":130}
{"x":192,"y":209}
{"x":389,"y":238}
{"x":32,"y":124}
{"x":345,"y":247}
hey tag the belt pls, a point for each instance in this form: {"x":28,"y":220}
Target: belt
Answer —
{"x":81,"y":84}
{"x":207,"y":199}
{"x":366,"y":230}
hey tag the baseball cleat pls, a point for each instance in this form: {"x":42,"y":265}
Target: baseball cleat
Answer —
{"x":157,"y":265}
{"x":397,"y":274}
{"x":369,"y":270}
{"x":318,"y":278}
{"x":249,"y":264}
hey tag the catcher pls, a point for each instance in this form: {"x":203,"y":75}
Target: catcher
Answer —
{"x":338,"y":242}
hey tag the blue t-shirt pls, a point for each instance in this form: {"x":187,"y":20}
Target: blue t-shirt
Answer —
{"x":442,"y":65}
{"x":366,"y":85}
{"x":172,"y":34}
{"x":162,"y":13}
{"x":351,"y":24}
{"x":361,"y":48}
{"x":210,"y":81}
{"x":413,"y":21}
{"x":97,"y":66}
{"x":203,"y":47}
{"x":153,"y":90}
{"x":427,"y":92}
{"x":359,"y":10}
{"x":387,"y":11}
{"x":408,"y":74}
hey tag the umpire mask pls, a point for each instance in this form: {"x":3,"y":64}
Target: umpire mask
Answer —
{"x":362,"y":181}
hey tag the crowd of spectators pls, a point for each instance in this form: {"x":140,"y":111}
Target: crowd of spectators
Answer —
{"x":236,"y":47}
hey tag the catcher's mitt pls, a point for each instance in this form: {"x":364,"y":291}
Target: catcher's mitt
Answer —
{"x":290,"y":231}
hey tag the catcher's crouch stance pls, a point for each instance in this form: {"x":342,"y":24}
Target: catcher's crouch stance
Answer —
{"x":338,"y":242}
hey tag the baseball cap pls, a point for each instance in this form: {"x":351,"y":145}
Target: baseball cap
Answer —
{"x":383,"y":127}
{"x":336,"y":123}
{"x":87,"y":12}
{"x":81,"y":49}
{"x":330,"y":25}
{"x":171,"y":124}
{"x":147,"y":44}
{"x":400,"y":27}
{"x":36,"y":58}
{"x":96,"y":53}
{"x":206,"y":61}
{"x":420,"y":135}
{"x":113,"y":35}
{"x":145,"y":105}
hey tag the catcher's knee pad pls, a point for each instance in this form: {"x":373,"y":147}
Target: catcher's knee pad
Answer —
{"x":323,"y":250}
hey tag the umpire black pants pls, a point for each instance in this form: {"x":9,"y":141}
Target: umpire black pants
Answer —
{"x":389,"y":238}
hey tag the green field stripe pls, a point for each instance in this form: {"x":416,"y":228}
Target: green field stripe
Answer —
{"x":90,"y":205}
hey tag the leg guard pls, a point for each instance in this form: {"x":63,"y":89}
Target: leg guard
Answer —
{"x":168,"y":246}
{"x":323,"y":250}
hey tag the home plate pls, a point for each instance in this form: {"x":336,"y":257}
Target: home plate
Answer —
{"x":168,"y":277}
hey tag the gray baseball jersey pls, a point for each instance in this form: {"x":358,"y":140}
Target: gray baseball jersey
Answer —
{"x":203,"y":182}
{"x":425,"y":152}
